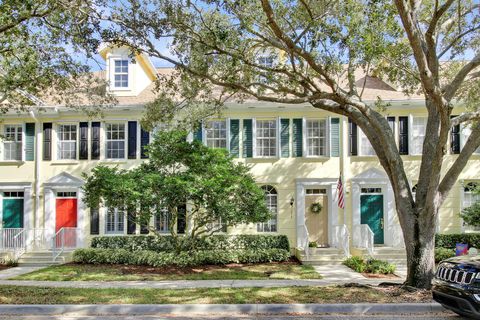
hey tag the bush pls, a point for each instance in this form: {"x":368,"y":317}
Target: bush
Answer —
{"x":450,"y":240}
{"x":182,"y":259}
{"x":443,"y":253}
{"x":360,"y":264}
{"x":214,"y":242}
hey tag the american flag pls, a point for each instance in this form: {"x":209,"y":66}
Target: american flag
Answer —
{"x":340,"y":195}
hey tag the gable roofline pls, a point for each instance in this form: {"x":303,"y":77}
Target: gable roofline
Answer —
{"x":142,"y":58}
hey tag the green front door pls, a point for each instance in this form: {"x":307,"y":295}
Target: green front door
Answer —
{"x":371,"y":213}
{"x":12,"y":213}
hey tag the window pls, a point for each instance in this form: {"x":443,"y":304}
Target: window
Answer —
{"x":216,"y":134}
{"x":161,"y":221}
{"x":371,"y":190}
{"x":271,"y":202}
{"x":266,"y":61}
{"x":470,"y":197}
{"x":418,"y":134}
{"x":66,"y":194}
{"x":115,"y":221}
{"x":366,"y":148}
{"x":115,"y":134}
{"x":67,"y":141}
{"x":316,"y":134}
{"x":12,"y":143}
{"x":315,"y":191}
{"x":121,"y":74}
{"x":266,"y":137}
{"x":13,"y":194}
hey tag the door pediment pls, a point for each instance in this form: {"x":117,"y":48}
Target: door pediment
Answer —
{"x":64,"y":179}
{"x":373,"y":174}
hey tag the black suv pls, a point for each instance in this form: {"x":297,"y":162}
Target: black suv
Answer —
{"x":457,"y":285}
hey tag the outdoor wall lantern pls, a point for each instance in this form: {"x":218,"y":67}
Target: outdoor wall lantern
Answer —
{"x":292,"y":201}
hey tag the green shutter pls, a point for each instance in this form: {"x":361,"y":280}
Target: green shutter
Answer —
{"x":297,"y":126}
{"x":198,"y":135}
{"x":247,"y":138}
{"x":335,"y":137}
{"x":234,"y":139}
{"x":29,"y":141}
{"x":285,"y":137}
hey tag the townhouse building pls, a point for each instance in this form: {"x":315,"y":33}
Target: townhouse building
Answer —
{"x":296,"y":153}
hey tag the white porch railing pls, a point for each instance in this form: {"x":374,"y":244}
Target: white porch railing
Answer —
{"x":341,"y":239}
{"x":363,"y":237}
{"x":64,"y":239}
{"x":37,"y":239}
{"x":13,"y":240}
{"x":397,"y":236}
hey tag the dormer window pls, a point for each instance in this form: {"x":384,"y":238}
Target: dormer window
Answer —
{"x":120,"y":74}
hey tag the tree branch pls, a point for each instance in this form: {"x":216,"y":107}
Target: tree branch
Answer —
{"x":451,"y":89}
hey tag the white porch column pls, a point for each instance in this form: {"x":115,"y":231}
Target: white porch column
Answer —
{"x":81,"y":219}
{"x":355,"y":213}
{"x":49,"y":215}
{"x":28,"y":216}
{"x":300,"y":206}
{"x":390,"y":216}
{"x":333,"y":217}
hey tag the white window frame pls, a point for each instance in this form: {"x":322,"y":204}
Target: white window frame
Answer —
{"x":105,"y":140}
{"x":115,"y":73}
{"x":470,"y":202}
{"x":206,"y":129}
{"x":465,"y":132}
{"x":116,"y":221}
{"x":22,"y":144}
{"x":306,"y":138}
{"x":361,"y":137}
{"x":266,"y":227}
{"x":411,"y":149}
{"x":164,"y":215}
{"x":58,"y":141}
{"x":255,"y":138}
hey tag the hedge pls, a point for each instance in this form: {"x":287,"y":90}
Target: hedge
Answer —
{"x":215,"y":242}
{"x":182,"y":259}
{"x":443,"y":253}
{"x":450,"y":240}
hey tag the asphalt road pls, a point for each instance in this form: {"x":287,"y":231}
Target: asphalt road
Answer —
{"x":440,"y":316}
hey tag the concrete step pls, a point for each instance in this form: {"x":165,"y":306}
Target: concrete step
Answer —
{"x":324,"y":251}
{"x":43,"y":265}
{"x":322,"y":263}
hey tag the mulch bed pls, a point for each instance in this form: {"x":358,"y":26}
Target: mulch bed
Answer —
{"x":3,"y":267}
{"x":136,"y":269}
{"x":399,"y":292}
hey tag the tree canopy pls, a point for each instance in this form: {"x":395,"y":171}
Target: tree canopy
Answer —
{"x":317,"y":45}
{"x":45,"y":50}
{"x":218,"y":192}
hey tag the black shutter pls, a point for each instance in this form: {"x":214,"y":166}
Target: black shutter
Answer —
{"x":247,"y":138}
{"x":353,"y":137}
{"x":47,"y":141}
{"x":403,"y":135}
{"x":132,"y":139}
{"x":182,"y":218}
{"x":83,"y":141}
{"x":144,"y":229}
{"x":94,"y":221}
{"x":131,"y":225}
{"x":95,"y":141}
{"x":297,"y":129}
{"x":455,"y":139}
{"x":144,"y":141}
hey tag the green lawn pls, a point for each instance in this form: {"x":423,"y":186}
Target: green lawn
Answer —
{"x":85,"y":272}
{"x":36,"y":295}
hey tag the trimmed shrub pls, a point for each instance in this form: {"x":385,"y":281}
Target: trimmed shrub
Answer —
{"x":182,"y":259}
{"x":215,"y":242}
{"x":450,"y":240}
{"x":360,"y":264}
{"x":443,"y":253}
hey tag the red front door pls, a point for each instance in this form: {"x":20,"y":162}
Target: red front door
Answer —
{"x":66,"y":218}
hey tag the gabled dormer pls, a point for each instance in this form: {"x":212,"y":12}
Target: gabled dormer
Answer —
{"x":127,"y":74}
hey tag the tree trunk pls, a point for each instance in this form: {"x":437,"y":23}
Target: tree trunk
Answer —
{"x":420,"y":247}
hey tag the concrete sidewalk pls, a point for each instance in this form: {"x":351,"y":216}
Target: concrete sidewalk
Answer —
{"x":230,"y":309}
{"x":17,"y":271}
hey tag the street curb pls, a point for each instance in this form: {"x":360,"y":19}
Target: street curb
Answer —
{"x":149,"y":309}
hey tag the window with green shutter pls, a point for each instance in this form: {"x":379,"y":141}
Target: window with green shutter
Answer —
{"x":234,"y":137}
{"x":198,"y":134}
{"x":29,"y":141}
{"x":247,"y":138}
{"x":285,"y":138}
{"x":297,"y":127}
{"x":335,"y":137}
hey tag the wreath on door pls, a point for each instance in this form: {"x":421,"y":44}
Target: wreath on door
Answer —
{"x":316,"y":207}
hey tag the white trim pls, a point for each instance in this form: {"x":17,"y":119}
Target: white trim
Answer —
{"x":228,"y":133}
{"x":254,"y":138}
{"x":323,"y":183}
{"x":125,"y":140}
